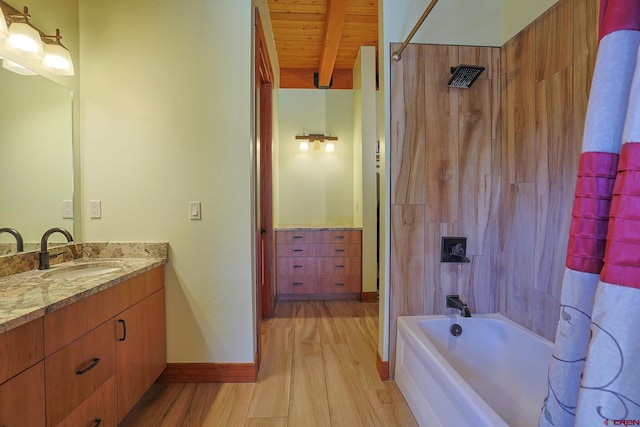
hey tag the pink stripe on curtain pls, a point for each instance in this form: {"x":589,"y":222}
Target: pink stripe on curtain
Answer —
{"x":618,"y":15}
{"x":590,"y":215}
{"x":622,"y":255}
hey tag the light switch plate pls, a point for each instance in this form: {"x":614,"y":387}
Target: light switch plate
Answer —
{"x":95,"y":207}
{"x":195,"y":210}
{"x":67,"y":209}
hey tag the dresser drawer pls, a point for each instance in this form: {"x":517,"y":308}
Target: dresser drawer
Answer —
{"x":74,"y":372}
{"x":338,"y":236}
{"x":297,"y":266}
{"x":351,"y":266}
{"x":297,"y":284}
{"x":318,"y":236}
{"x":318,"y":249}
{"x":338,"y":284}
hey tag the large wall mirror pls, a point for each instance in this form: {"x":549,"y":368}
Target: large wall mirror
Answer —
{"x":36,"y":157}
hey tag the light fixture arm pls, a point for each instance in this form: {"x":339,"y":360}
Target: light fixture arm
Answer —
{"x":319,"y":137}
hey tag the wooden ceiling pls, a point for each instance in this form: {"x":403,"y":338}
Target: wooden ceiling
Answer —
{"x":323,"y":37}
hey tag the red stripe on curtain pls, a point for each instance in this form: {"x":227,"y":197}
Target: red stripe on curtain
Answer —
{"x":618,"y":15}
{"x":622,"y":256}
{"x":590,"y":214}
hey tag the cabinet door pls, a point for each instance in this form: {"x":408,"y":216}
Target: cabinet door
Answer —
{"x":22,"y":399}
{"x":141,"y":349}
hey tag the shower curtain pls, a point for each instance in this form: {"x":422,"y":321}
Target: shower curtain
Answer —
{"x":594,"y":375}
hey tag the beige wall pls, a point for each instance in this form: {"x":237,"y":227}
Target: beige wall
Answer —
{"x":166,"y":119}
{"x":316,"y":187}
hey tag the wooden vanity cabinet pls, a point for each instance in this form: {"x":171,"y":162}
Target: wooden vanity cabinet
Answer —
{"x":318,"y":264}
{"x":92,"y":370}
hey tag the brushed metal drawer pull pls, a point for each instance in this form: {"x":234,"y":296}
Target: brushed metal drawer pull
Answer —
{"x":298,"y":250}
{"x":339,"y":237}
{"x":297,"y":237}
{"x":297,"y":266}
{"x":339,"y":284}
{"x":339,"y":250}
{"x":298,"y":283}
{"x":124,"y":330}
{"x":97,"y":421}
{"x":88,"y":368}
{"x":339,"y":266}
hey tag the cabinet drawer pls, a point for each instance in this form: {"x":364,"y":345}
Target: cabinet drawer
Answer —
{"x":20,"y":348}
{"x":318,"y":236}
{"x":73,"y":373}
{"x":100,"y":408}
{"x":74,"y":320}
{"x":339,"y":266}
{"x":297,"y":266}
{"x":338,"y":236}
{"x":318,"y":249}
{"x":22,"y":399}
{"x":339,"y":284}
{"x":297,"y":284}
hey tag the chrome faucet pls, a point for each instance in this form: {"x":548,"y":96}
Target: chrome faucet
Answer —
{"x":19,"y":241}
{"x":44,"y":253}
{"x":454,"y":301}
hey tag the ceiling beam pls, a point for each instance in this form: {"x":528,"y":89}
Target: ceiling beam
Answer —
{"x":334,"y":21}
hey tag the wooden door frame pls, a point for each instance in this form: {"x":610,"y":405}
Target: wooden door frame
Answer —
{"x":264,"y":263}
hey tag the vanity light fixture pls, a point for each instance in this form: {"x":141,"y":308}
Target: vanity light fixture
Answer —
{"x":24,"y":39}
{"x":9,"y":65}
{"x":27,"y":41}
{"x":57,"y":59}
{"x":316,"y":138}
{"x":4,"y":30}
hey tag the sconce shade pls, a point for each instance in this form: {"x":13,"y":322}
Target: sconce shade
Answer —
{"x":24,"y":40}
{"x":304,"y":146}
{"x":57,"y":60}
{"x":4,"y":30}
{"x":330,"y":147}
{"x":17,"y":68}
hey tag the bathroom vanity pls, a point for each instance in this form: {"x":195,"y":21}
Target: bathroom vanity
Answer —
{"x":318,"y":263}
{"x":82,"y":342}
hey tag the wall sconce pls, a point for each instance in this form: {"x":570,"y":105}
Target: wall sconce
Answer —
{"x":27,"y":41}
{"x":317,"y":138}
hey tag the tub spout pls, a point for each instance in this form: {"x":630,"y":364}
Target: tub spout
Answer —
{"x":454,"y":301}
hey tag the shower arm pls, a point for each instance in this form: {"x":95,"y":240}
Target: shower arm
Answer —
{"x":397,"y":55}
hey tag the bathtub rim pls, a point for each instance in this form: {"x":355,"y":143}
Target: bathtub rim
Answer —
{"x":448,"y":379}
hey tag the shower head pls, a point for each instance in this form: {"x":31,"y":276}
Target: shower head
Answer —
{"x":464,"y":75}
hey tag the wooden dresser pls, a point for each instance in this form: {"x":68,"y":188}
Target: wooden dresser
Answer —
{"x":318,"y":264}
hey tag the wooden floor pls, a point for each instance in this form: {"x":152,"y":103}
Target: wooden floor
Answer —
{"x":318,"y":369}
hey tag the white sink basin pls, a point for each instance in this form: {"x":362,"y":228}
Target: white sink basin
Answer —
{"x":81,"y":270}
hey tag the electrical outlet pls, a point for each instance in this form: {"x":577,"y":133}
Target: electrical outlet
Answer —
{"x":67,"y":209}
{"x":95,"y":207}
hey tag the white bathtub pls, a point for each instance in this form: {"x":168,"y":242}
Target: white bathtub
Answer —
{"x":493,"y":374}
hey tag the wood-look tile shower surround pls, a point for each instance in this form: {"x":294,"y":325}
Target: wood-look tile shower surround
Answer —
{"x":496,"y":163}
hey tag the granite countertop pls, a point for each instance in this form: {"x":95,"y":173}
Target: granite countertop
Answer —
{"x":31,"y":294}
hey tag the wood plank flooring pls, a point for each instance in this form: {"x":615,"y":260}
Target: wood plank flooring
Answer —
{"x":318,"y":369}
